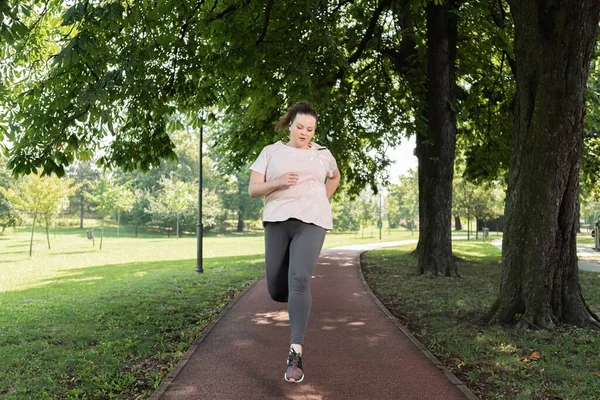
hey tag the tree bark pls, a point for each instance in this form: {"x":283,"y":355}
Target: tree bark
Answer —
{"x":48,"y":237}
{"x":240,"y":222}
{"x":554,"y":42}
{"x":435,"y":150}
{"x":457,"y":223}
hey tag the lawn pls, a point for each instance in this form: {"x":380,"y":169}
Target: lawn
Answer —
{"x":495,"y":363}
{"x":71,"y":249}
{"x":79,"y":322}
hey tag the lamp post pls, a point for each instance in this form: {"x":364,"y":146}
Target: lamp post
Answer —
{"x":199,"y":226}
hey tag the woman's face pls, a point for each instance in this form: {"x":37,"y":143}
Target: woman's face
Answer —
{"x":302,"y":130}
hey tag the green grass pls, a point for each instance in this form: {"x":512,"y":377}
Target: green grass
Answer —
{"x":111,"y":332}
{"x":71,"y":249}
{"x":80,"y":323}
{"x":443,"y":314}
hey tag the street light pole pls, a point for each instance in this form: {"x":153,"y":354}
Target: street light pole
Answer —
{"x":380,"y":215}
{"x":199,"y":226}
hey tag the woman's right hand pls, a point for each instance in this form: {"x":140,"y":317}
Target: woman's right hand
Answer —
{"x":286,"y":180}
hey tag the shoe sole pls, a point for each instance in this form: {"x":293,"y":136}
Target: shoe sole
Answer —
{"x":293,"y":380}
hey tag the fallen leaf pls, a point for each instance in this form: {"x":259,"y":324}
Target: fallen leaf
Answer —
{"x":597,"y":374}
{"x":525,"y":360}
{"x":535,"y":356}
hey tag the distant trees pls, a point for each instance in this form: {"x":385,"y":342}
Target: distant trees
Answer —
{"x":402,"y":201}
{"x":345,"y":214}
{"x":41,"y":197}
{"x":482,"y":202}
{"x":175,"y":199}
{"x":109,"y":197}
{"x":9,"y":215}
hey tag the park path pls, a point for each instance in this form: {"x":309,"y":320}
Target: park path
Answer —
{"x":354,"y":348}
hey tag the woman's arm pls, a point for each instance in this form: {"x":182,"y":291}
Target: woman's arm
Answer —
{"x":332,"y":184}
{"x":258,"y":187}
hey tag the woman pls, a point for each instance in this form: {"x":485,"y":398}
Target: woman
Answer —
{"x":297,"y":179}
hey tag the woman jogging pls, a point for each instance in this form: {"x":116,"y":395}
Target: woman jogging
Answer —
{"x":297,"y":179}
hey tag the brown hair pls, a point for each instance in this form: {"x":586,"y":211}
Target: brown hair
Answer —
{"x":302,"y":107}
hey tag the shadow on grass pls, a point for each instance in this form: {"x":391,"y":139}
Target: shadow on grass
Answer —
{"x":120,"y":273}
{"x":24,"y":252}
{"x":82,"y":251}
{"x":134,"y":317}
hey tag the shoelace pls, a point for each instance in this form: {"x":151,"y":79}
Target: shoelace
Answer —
{"x":293,"y":359}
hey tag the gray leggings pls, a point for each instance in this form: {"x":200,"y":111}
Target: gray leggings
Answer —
{"x":292,"y":249}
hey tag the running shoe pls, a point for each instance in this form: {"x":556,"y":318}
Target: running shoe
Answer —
{"x":294,"y":372}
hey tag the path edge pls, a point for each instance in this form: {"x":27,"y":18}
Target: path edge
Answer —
{"x":166,"y":382}
{"x":457,"y":382}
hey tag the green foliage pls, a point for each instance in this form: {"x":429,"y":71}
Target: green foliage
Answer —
{"x":175,"y":199}
{"x":483,"y":202}
{"x":126,"y":73}
{"x":109,"y":197}
{"x":236,"y":198}
{"x":56,"y":199}
{"x":41,"y":197}
{"x":486,"y":90}
{"x":83,"y":174}
{"x":212,"y":209}
{"x":8,"y":213}
{"x":402,"y":201}
{"x":139,"y":215}
{"x":346,"y":217}
{"x":590,"y":163}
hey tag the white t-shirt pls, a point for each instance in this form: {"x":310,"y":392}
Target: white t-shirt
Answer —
{"x":307,"y":200}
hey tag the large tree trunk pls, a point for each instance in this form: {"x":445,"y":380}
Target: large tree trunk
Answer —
{"x":554,"y":43}
{"x":435,"y":151}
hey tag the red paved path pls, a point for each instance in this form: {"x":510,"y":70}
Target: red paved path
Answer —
{"x":353,"y":350}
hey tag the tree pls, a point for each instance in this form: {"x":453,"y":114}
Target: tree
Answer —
{"x":8,"y":213}
{"x":392,"y":210}
{"x":212,"y":209}
{"x":83,"y":174}
{"x":238,"y":200}
{"x":41,"y":197}
{"x":367,"y":210}
{"x":56,"y":199}
{"x":462,"y":200}
{"x":109,"y":197}
{"x":554,"y":42}
{"x":435,"y":147}
{"x":406,"y":195}
{"x":375,"y":69}
{"x":139,"y":214}
{"x":345,"y":213}
{"x":175,"y":198}
{"x":123,"y":199}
